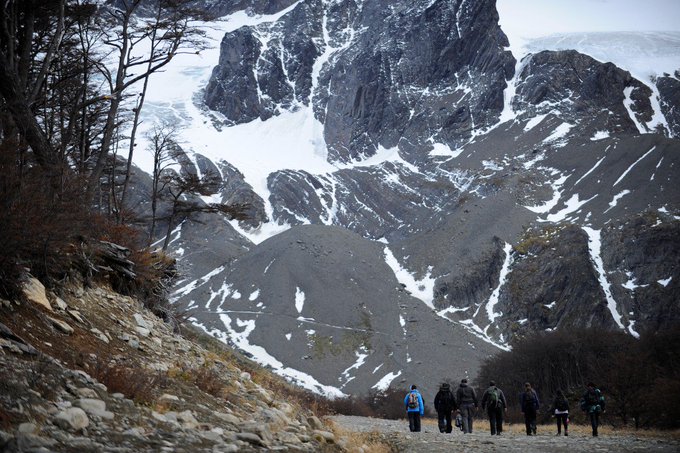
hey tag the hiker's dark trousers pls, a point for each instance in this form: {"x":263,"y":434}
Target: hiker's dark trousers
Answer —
{"x":467,"y":411}
{"x":445,"y":425}
{"x":562,"y":419}
{"x":594,"y":421}
{"x":530,"y":420}
{"x":495,"y":420}
{"x":414,"y":421}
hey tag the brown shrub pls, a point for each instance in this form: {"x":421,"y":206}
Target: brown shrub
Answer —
{"x":136,"y":384}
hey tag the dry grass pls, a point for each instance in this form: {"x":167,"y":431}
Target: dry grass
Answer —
{"x":370,"y":442}
{"x":585,"y":430}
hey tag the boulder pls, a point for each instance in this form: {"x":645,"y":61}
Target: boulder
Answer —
{"x":61,"y":325}
{"x":60,"y":303}
{"x":73,"y":418}
{"x":34,"y":291}
{"x":323,"y":436}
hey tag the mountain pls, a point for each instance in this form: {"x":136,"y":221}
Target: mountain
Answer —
{"x":418,"y":195}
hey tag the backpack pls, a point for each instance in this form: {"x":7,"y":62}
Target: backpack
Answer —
{"x":561,"y":404}
{"x":593,"y":401}
{"x":494,"y":401}
{"x":413,"y":401}
{"x":445,"y":400}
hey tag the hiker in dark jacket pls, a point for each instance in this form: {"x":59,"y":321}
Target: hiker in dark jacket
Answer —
{"x":466,"y":399}
{"x":415,"y":408}
{"x":444,"y":404}
{"x":494,"y":402}
{"x":561,"y":411}
{"x":529,"y":403}
{"x":593,"y":403}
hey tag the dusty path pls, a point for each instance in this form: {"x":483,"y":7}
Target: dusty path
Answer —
{"x":430,"y":440}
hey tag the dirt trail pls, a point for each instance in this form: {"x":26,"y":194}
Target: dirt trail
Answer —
{"x":431,"y":440}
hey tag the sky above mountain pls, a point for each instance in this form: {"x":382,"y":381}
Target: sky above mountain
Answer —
{"x":533,"y":18}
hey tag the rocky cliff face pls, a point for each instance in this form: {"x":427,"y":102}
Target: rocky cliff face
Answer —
{"x":583,"y":90}
{"x":409,"y":72}
{"x":486,"y":197}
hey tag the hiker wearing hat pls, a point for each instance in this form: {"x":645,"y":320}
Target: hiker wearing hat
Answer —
{"x":494,"y":402}
{"x":466,"y":399}
{"x":444,"y":404}
{"x":415,"y":408}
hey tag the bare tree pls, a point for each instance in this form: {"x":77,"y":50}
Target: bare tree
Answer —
{"x":169,"y":32}
{"x":162,"y":141}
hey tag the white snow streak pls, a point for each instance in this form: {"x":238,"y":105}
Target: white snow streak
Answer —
{"x":595,"y":248}
{"x":592,"y":169}
{"x":421,"y":289}
{"x":616,"y":199}
{"x":299,"y":300}
{"x":664,"y":282}
{"x":571,"y":205}
{"x":384,"y":383}
{"x":628,"y":103}
{"x":634,"y":164}
{"x":505,"y":270}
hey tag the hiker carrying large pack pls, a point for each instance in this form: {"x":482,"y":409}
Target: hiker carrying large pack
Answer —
{"x":415,"y":408}
{"x":445,"y":404}
{"x":494,"y":402}
{"x":593,"y":403}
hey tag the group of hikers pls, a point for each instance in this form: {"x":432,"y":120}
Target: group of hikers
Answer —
{"x":464,"y":403}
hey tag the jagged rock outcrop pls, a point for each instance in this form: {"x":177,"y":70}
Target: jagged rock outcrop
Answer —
{"x":397,"y":73}
{"x":642,"y":256}
{"x":669,"y":90}
{"x":580,"y":87}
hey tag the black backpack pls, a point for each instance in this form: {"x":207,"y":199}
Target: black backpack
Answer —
{"x":561,"y":404}
{"x":447,"y":401}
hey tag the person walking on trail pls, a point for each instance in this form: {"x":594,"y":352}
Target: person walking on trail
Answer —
{"x":593,"y":403}
{"x":561,"y":411}
{"x":494,"y":402}
{"x":529,"y":403}
{"x":415,"y":408}
{"x":466,"y":399}
{"x":444,"y":404}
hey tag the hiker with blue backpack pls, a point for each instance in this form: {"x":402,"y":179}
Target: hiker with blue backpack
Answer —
{"x":494,"y":402}
{"x":415,"y":408}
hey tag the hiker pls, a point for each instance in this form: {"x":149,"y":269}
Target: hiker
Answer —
{"x":415,"y":408}
{"x":560,"y":410}
{"x":529,"y":403}
{"x":593,"y":403}
{"x":466,"y":399}
{"x":444,"y":404}
{"x":494,"y":402}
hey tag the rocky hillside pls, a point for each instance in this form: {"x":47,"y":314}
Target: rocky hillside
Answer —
{"x":91,"y":370}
